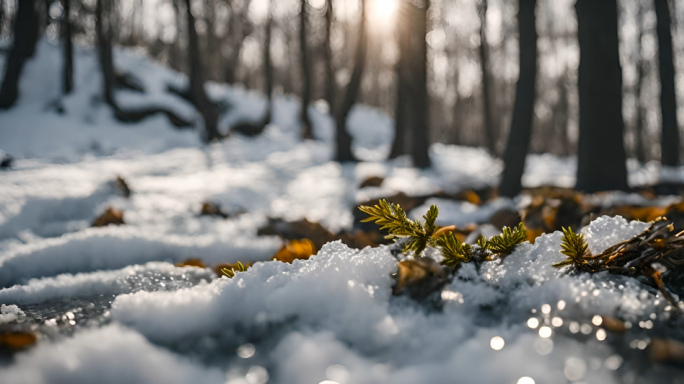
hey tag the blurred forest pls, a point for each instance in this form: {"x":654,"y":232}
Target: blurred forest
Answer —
{"x":463,"y":72}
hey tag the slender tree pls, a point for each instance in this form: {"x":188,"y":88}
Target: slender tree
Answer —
{"x":668,"y":98}
{"x":402,"y":109}
{"x":307,"y":132}
{"x":104,"y":46}
{"x":487,"y":119}
{"x":523,"y":110}
{"x":330,"y":84}
{"x":250,"y":128}
{"x":601,"y":159}
{"x":196,"y":92}
{"x":640,"y":149}
{"x":68,"y":69}
{"x":24,"y":46}
{"x":343,"y":150}
{"x":421,"y":129}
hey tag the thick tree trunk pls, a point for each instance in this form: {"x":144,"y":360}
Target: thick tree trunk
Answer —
{"x":523,"y":110}
{"x":402,"y":111}
{"x":668,"y":98}
{"x":68,"y":69}
{"x":330,"y":84}
{"x":24,"y":46}
{"x":197,"y":94}
{"x":601,"y":152}
{"x":487,"y":119}
{"x":421,"y":130}
{"x":344,"y":140}
{"x":307,"y":132}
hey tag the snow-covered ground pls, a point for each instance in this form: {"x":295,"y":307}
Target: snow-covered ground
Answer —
{"x":112,"y":307}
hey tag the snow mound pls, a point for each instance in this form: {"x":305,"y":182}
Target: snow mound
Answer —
{"x":9,"y":313}
{"x":117,"y":247}
{"x":129,"y":279}
{"x":112,"y":354}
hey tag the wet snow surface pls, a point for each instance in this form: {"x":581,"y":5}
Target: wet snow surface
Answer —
{"x":110,"y":306}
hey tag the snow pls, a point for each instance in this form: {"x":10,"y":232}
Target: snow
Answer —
{"x":331,"y":317}
{"x":9,"y":313}
{"x":112,"y":354}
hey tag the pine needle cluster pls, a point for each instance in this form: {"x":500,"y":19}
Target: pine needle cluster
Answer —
{"x":503,"y":245}
{"x":392,"y":217}
{"x":454,"y":251}
{"x":230,"y":272}
{"x":575,"y":247}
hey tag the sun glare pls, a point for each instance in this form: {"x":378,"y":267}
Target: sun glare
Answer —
{"x":382,"y":12}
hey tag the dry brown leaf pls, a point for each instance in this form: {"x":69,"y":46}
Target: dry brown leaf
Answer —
{"x":373,"y":181}
{"x":666,"y":350}
{"x":110,"y":216}
{"x":613,"y":324}
{"x":18,"y":340}
{"x":295,"y":250}
{"x":418,"y":277}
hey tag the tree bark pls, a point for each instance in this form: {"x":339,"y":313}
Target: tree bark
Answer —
{"x":104,"y":47}
{"x":640,"y":150}
{"x":343,"y":151}
{"x":487,"y":120}
{"x":24,"y":46}
{"x":307,"y":132}
{"x":402,"y":109}
{"x":421,"y":129}
{"x":330,"y":84}
{"x":601,"y":152}
{"x":668,"y":98}
{"x":68,"y":69}
{"x":523,"y":110}
{"x":197,"y":93}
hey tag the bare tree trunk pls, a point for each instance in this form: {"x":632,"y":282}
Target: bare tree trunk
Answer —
{"x":487,"y":120}
{"x":639,"y":118}
{"x":307,"y":132}
{"x":330,"y":85}
{"x":104,"y":45}
{"x":668,"y":98}
{"x":268,"y":67}
{"x":601,"y":153}
{"x":344,"y":140}
{"x":523,"y":110}
{"x":24,"y":46}
{"x":402,"y":110}
{"x":421,"y":129}
{"x":68,"y":70}
{"x":197,"y":94}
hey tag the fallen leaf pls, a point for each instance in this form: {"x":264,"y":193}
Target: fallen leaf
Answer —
{"x":211,"y":209}
{"x":110,"y":216}
{"x":373,"y":181}
{"x":419,"y":277}
{"x":666,"y":350}
{"x":295,"y":250}
{"x":18,"y":340}
{"x":613,"y":324}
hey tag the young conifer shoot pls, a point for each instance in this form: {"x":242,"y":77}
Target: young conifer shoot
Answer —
{"x":503,"y":245}
{"x":575,"y":247}
{"x":232,"y":271}
{"x":391,"y":217}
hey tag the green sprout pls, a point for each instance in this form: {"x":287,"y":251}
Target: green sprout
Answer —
{"x":230,"y":272}
{"x":502,"y":245}
{"x":575,"y":247}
